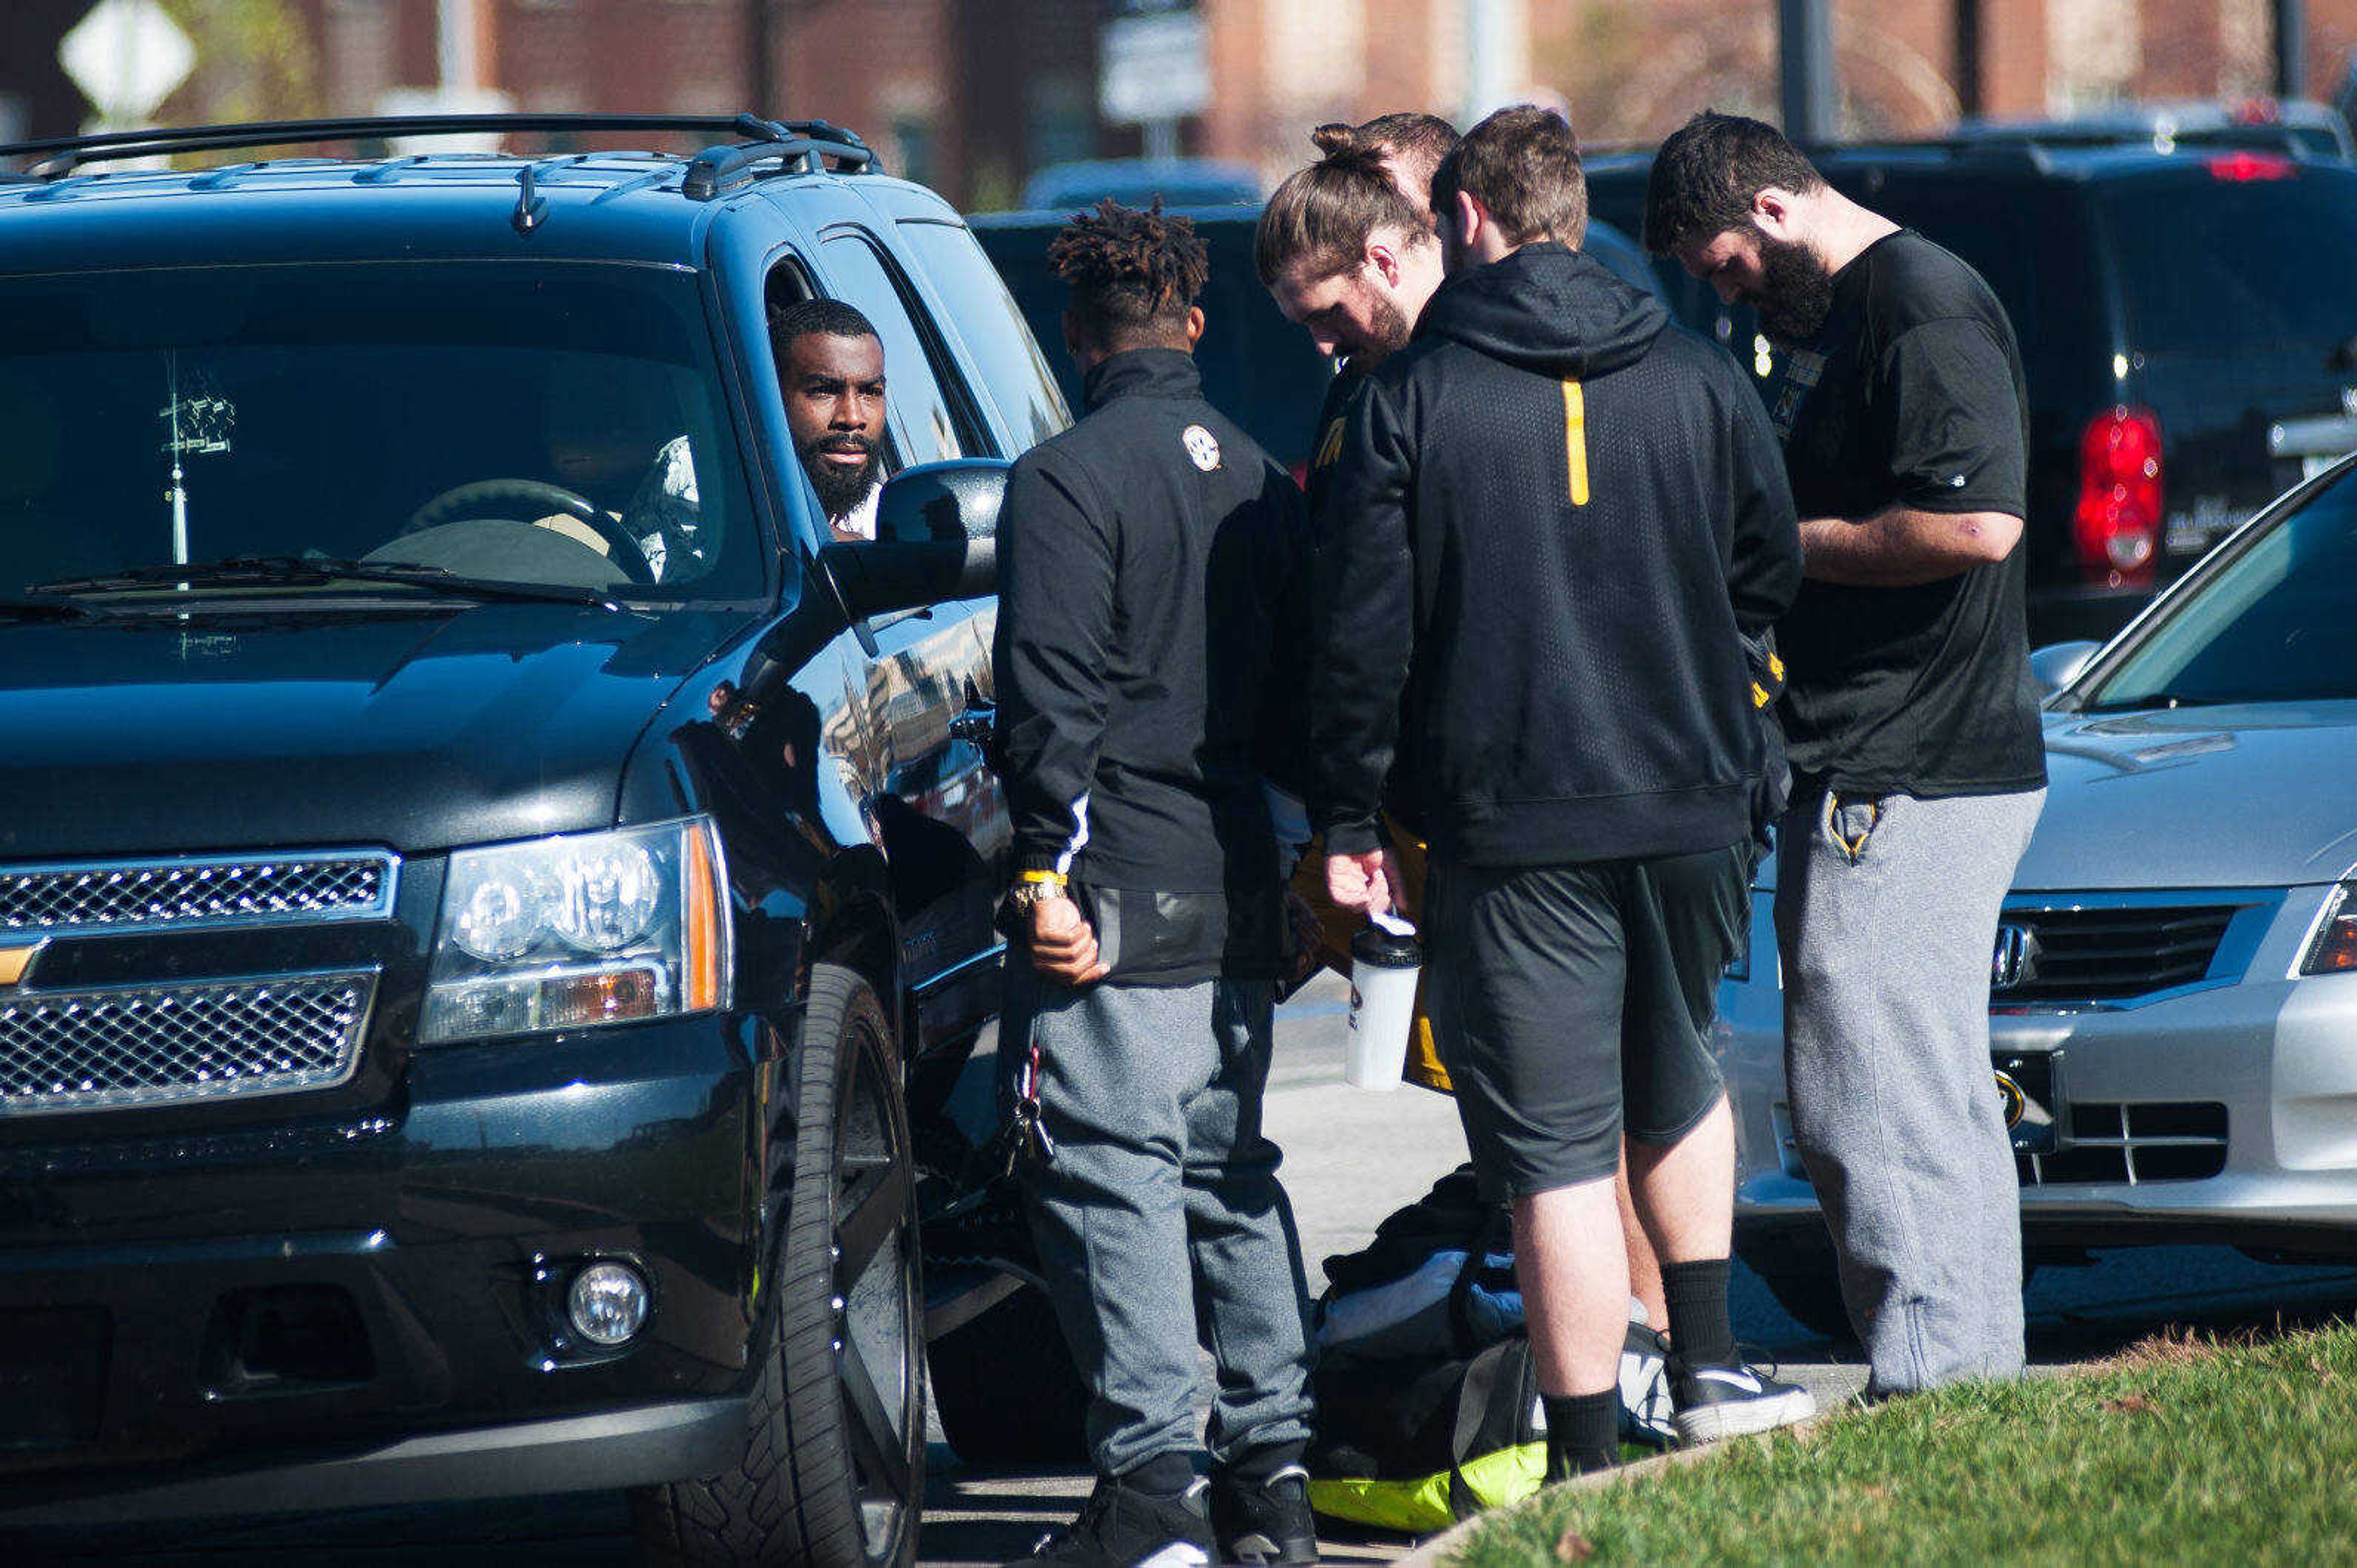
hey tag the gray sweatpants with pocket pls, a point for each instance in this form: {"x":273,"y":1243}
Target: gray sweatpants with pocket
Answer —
{"x":1160,"y":1219}
{"x":1885,"y":918}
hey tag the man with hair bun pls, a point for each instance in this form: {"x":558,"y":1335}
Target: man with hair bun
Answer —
{"x":1556,"y":520}
{"x":1345,"y":249}
{"x":1146,"y":558}
{"x":1345,"y":252}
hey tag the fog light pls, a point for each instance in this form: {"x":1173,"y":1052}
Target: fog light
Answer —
{"x":608,"y":1304}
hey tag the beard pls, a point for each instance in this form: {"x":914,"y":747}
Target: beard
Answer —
{"x":1387,"y":333}
{"x":840,"y":490}
{"x":1795,"y":292}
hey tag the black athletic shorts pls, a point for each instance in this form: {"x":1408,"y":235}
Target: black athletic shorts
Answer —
{"x":1569,"y":1001}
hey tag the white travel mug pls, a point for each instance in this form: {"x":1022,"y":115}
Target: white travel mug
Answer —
{"x":1386,"y":962}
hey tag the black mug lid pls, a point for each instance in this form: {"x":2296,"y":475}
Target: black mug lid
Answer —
{"x":1386,"y":950}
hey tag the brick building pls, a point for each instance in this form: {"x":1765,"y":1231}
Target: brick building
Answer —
{"x":964,"y":95}
{"x":972,"y":96}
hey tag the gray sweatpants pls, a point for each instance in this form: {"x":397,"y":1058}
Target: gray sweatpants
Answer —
{"x":1160,"y":1220}
{"x":1886,"y":916}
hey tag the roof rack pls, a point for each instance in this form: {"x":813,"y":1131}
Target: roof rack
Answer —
{"x":717,"y":169}
{"x":714,"y":169}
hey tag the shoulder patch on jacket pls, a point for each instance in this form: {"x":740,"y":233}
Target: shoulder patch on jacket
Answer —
{"x":1203,"y":446}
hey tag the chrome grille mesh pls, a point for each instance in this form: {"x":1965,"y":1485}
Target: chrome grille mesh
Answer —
{"x":193,"y":1040}
{"x":55,"y":900}
{"x":2112,"y":952}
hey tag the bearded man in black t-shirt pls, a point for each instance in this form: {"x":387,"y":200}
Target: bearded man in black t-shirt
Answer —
{"x":1918,"y":767}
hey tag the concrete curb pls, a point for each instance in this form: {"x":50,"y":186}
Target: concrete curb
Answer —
{"x":1434,"y":1552}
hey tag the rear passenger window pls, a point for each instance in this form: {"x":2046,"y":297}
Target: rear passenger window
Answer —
{"x":932,"y":413}
{"x":992,"y":328}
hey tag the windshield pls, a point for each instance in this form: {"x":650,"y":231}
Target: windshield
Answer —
{"x":2272,"y":626}
{"x":541,"y":425}
{"x":2230,"y":266}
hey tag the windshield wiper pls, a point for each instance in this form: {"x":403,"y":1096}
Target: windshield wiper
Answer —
{"x":42,"y":609}
{"x":274,"y":570}
{"x":2160,"y":699}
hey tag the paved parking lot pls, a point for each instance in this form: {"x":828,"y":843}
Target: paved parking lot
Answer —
{"x":1352,"y":1158}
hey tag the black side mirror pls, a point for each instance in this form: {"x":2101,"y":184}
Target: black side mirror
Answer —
{"x":935,"y":526}
{"x":955,"y":500}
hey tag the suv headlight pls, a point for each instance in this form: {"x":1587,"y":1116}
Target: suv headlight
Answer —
{"x":2334,"y":950}
{"x":564,"y":933}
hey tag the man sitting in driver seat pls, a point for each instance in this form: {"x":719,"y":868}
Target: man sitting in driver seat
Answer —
{"x":831,"y":374}
{"x":831,"y":371}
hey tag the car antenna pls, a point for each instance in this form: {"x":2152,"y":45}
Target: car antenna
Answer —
{"x":532,"y":207}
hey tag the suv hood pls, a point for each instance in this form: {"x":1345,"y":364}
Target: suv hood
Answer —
{"x":413,"y":728}
{"x":2226,"y":797}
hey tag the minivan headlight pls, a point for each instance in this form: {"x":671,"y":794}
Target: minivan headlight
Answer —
{"x":589,"y":929}
{"x":2334,"y":950}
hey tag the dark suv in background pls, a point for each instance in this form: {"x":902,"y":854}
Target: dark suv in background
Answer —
{"x":1259,"y":368}
{"x":494,"y":902}
{"x":2189,"y":349}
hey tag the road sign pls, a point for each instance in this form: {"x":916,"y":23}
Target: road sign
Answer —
{"x":126,"y":56}
{"x":1153,"y":66}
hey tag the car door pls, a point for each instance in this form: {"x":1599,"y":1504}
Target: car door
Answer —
{"x":904,"y":716}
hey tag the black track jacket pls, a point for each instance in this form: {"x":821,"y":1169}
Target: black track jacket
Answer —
{"x":1146,"y":558}
{"x":1554,"y":519}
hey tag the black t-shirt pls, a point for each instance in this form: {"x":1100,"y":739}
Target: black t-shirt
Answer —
{"x":1911,"y":396}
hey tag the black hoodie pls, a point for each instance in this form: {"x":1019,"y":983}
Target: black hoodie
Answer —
{"x":1556,"y":519}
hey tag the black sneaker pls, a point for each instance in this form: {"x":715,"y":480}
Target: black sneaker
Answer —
{"x":1729,"y":1401}
{"x":1120,"y":1527}
{"x":1265,"y":1523}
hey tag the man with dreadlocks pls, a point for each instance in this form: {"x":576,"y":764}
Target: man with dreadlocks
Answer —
{"x":1146,"y":557}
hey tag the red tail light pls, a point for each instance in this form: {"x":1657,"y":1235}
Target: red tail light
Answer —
{"x":2117,"y":527}
{"x":1301,"y":475}
{"x":2239,"y":169}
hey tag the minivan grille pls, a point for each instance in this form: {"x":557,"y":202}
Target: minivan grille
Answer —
{"x":2107,"y":953}
{"x":185,"y":894}
{"x":138,"y":1046}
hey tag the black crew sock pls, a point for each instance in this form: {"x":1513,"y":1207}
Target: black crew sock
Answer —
{"x":1164,"y":1475}
{"x":1700,"y":1333}
{"x":1257,"y":1465}
{"x":1582,"y":1432}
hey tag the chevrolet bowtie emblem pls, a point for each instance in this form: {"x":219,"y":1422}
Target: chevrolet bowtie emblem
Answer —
{"x":14,"y":962}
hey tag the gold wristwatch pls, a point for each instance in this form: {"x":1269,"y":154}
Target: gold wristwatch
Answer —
{"x":1034,"y":887}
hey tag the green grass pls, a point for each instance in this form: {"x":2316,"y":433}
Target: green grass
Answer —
{"x":2179,"y":1451}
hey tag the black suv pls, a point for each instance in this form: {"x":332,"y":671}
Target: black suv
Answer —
{"x":2189,"y":354}
{"x":493,"y":903}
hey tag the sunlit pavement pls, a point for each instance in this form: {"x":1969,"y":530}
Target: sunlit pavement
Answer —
{"x":1351,"y":1158}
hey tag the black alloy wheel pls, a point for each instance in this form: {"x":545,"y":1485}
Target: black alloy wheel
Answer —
{"x":834,"y":1470}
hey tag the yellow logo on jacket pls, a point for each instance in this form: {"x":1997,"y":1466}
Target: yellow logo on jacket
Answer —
{"x":1329,"y":447}
{"x":1575,"y":440}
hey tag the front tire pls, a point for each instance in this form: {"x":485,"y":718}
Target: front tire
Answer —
{"x":833,"y":1474}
